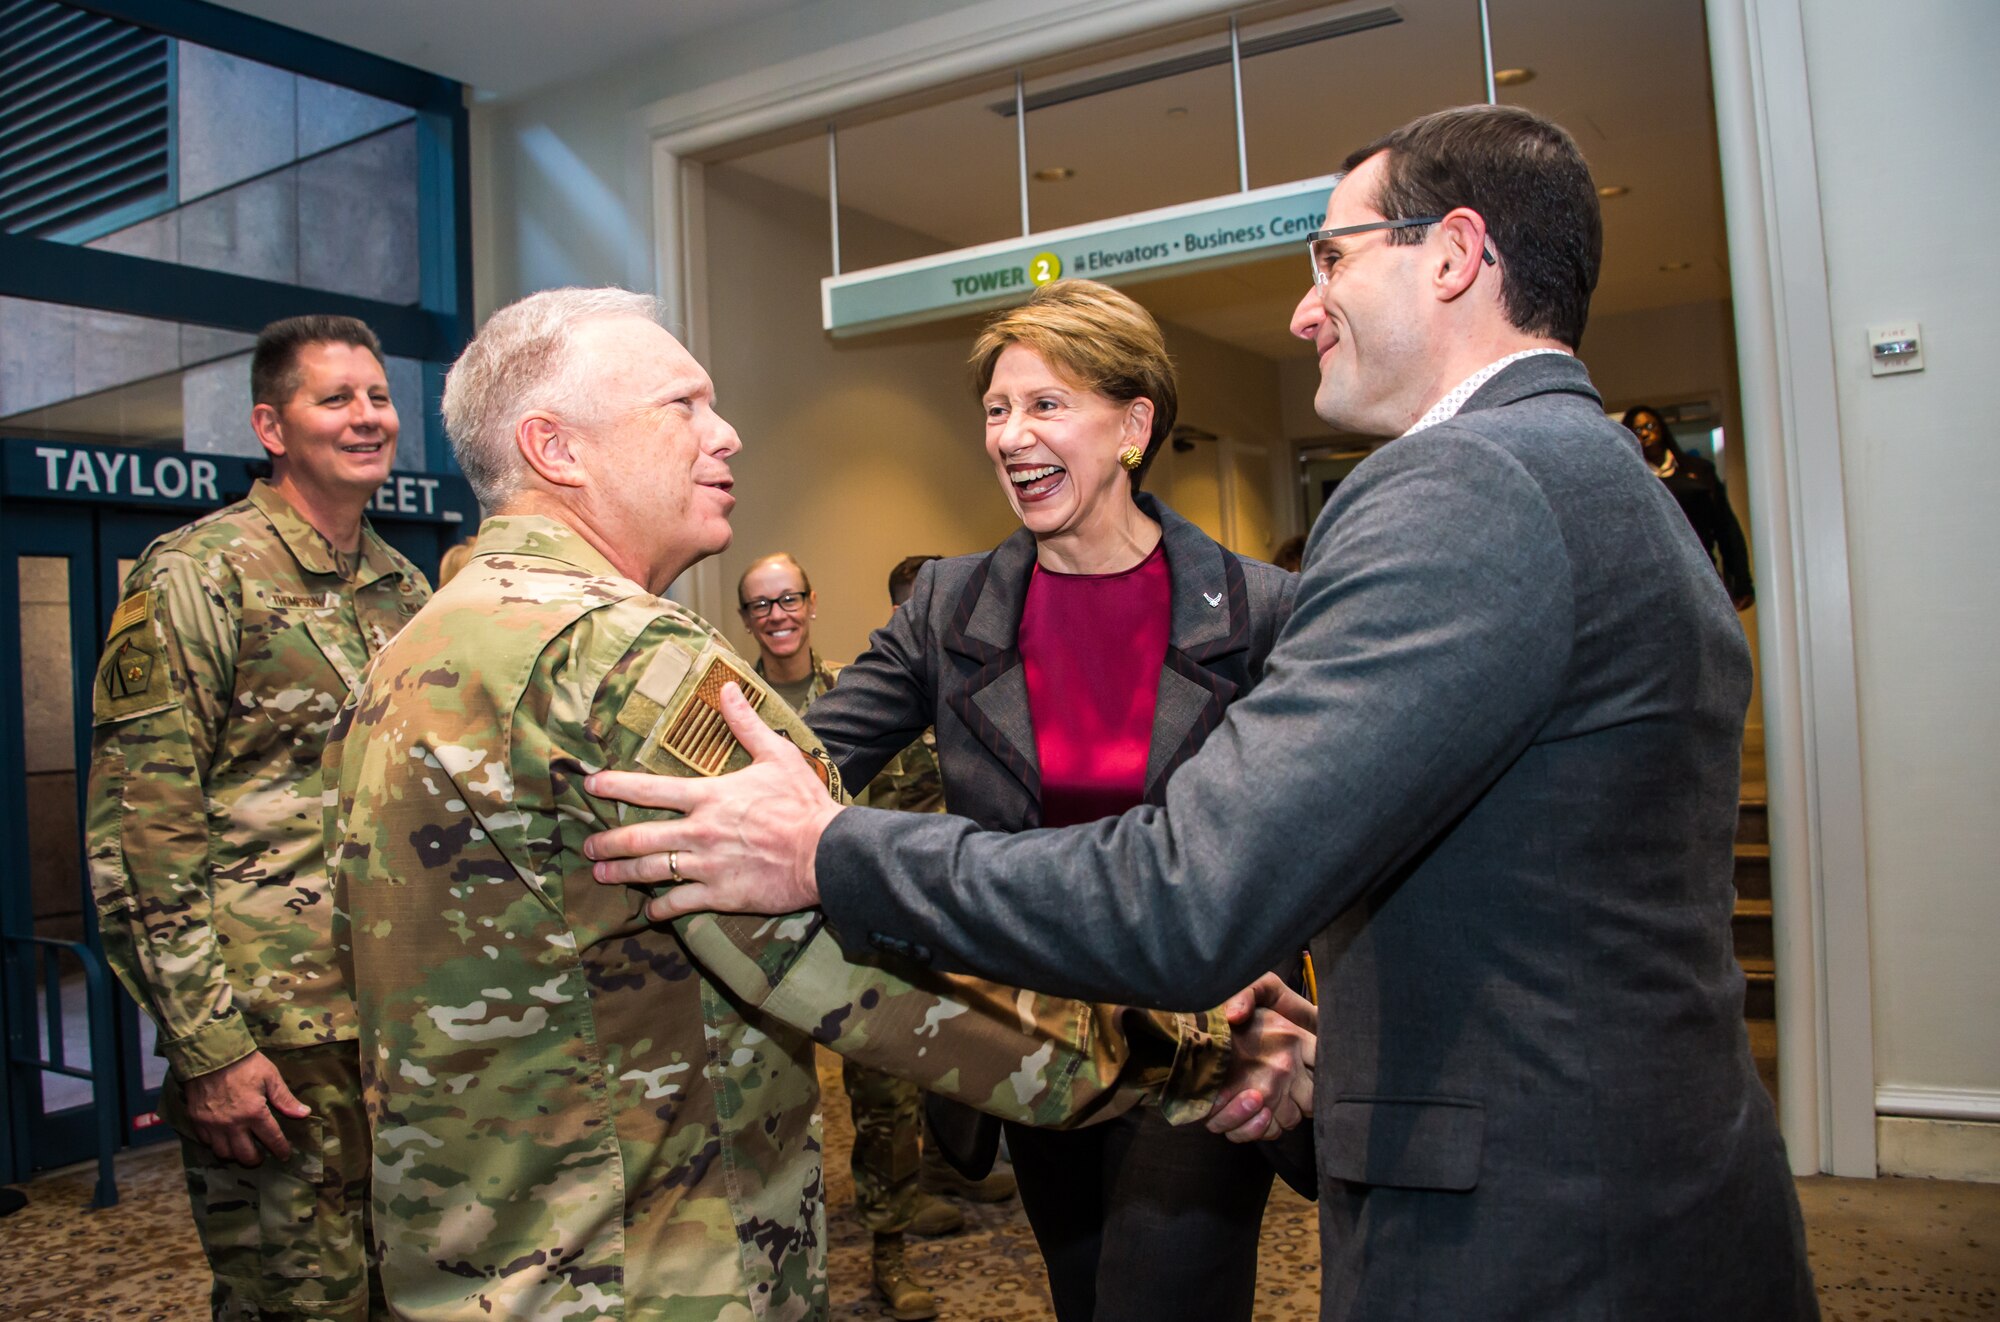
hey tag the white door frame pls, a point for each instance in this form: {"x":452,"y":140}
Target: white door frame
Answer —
{"x":1791,"y":425}
{"x":1812,"y":734}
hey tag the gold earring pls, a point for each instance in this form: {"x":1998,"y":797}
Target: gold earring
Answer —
{"x":1131,"y":456}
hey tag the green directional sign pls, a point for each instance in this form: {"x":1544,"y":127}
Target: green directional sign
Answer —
{"x":1215,"y":232}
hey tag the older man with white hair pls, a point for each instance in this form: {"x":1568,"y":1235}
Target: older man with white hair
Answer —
{"x":577,"y":1112}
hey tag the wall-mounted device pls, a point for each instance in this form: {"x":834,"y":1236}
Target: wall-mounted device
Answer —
{"x":1898,"y":347}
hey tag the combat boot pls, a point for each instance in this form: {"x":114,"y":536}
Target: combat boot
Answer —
{"x":939,"y":1176}
{"x":906,"y":1297}
{"x":934,"y":1217}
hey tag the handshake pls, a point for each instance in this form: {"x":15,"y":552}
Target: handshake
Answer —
{"x":1268,"y":1088}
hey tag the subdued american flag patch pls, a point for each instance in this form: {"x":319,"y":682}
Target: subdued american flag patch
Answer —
{"x":695,"y":731}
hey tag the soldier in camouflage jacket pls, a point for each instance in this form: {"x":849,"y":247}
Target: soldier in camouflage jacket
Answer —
{"x":575,"y":1112}
{"x":237,"y":641}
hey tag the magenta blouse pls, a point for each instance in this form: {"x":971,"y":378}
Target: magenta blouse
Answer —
{"x":1092,"y":646}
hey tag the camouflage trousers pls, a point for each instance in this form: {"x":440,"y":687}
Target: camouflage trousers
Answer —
{"x":887,"y":1155}
{"x":288,"y":1240}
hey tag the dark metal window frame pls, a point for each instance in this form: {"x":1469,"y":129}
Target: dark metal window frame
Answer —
{"x":432,"y":331}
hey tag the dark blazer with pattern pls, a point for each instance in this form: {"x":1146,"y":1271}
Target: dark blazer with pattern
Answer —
{"x":949,"y":657}
{"x":1493,"y":763}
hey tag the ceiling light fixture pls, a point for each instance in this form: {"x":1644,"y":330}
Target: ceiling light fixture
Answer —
{"x":1176,"y":112}
{"x":1055,"y":174}
{"x":1512,"y":77}
{"x":1613,"y":190}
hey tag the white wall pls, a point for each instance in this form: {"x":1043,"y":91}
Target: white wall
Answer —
{"x":856,"y":453}
{"x":562,"y":182}
{"x":1904,"y":117}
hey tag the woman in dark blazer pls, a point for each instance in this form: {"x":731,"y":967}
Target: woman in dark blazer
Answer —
{"x":1067,"y":673}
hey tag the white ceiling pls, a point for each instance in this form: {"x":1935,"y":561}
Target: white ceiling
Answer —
{"x":505,"y":48}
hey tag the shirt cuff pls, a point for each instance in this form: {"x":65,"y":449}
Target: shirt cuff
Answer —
{"x":1201,"y":1060}
{"x":210,"y":1048}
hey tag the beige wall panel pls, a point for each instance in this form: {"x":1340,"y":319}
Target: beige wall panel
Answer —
{"x":856,"y":452}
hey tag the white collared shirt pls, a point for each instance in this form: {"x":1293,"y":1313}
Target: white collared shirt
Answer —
{"x":1448,"y":407}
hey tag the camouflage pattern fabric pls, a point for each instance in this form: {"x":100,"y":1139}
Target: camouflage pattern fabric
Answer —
{"x":580,"y":1114}
{"x":909,"y":781}
{"x":888,"y":1112}
{"x":888,"y":1149}
{"x":238,"y":639}
{"x":288,"y":1239}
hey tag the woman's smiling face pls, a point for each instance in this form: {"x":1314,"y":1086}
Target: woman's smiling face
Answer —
{"x":1055,"y":444}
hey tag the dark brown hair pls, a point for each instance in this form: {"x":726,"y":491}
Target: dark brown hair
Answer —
{"x":274,"y":364}
{"x":1527,"y":180}
{"x":904,"y":575}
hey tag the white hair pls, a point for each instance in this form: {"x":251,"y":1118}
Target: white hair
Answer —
{"x":523,"y":360}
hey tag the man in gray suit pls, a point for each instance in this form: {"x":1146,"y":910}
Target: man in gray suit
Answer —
{"x":1493,"y":765}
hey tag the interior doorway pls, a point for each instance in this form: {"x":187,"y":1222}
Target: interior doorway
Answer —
{"x":1143,"y":123}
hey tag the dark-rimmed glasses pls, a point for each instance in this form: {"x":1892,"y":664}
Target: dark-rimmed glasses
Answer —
{"x":1323,"y":261}
{"x":788,"y":602}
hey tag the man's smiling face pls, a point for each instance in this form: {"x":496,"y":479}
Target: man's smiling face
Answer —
{"x":1363,"y":320}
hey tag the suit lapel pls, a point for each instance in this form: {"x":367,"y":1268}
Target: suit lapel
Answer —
{"x":1211,"y":608}
{"x":985,"y":628}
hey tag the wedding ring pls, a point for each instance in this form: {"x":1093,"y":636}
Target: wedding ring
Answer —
{"x":673,"y":864}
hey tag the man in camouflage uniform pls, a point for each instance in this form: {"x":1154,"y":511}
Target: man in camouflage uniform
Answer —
{"x":577,"y":1113}
{"x":778,"y":604}
{"x":237,"y":641}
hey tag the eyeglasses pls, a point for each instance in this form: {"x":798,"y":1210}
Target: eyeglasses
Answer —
{"x":1323,"y":258}
{"x":758,"y":607}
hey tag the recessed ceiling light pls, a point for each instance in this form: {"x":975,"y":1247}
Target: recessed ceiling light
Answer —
{"x":1176,"y":112}
{"x":1512,"y":77}
{"x":1671,"y":267}
{"x":1613,"y":190}
{"x":1055,"y":174}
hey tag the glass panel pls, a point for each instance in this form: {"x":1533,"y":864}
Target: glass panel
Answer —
{"x":1645,"y":119}
{"x":1306,"y":106}
{"x":343,"y":220}
{"x":55,"y":861}
{"x":1081,"y":161}
{"x":106,"y":378}
{"x":926,"y":181}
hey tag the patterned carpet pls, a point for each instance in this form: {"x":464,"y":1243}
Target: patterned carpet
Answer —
{"x":1882,"y":1250}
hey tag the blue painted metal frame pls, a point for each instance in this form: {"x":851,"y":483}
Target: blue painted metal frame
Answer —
{"x":103,"y":1073}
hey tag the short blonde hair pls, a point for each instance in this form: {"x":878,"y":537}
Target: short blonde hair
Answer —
{"x":523,"y":360}
{"x":1096,"y":337}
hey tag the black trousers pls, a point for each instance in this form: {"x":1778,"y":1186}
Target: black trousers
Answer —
{"x":1140,"y":1221}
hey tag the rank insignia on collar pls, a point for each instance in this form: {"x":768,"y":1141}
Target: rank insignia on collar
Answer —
{"x":695,"y":731}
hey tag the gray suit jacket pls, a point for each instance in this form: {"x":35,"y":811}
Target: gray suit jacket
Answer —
{"x":1493,"y":765}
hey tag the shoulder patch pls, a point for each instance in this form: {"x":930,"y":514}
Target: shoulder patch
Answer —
{"x":676,"y":707}
{"x":694,"y":730}
{"x":133,"y":610}
{"x":132,"y":678}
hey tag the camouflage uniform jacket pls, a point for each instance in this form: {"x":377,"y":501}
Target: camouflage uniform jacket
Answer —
{"x":237,"y":641}
{"x":580,"y":1114}
{"x":908,"y":782}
